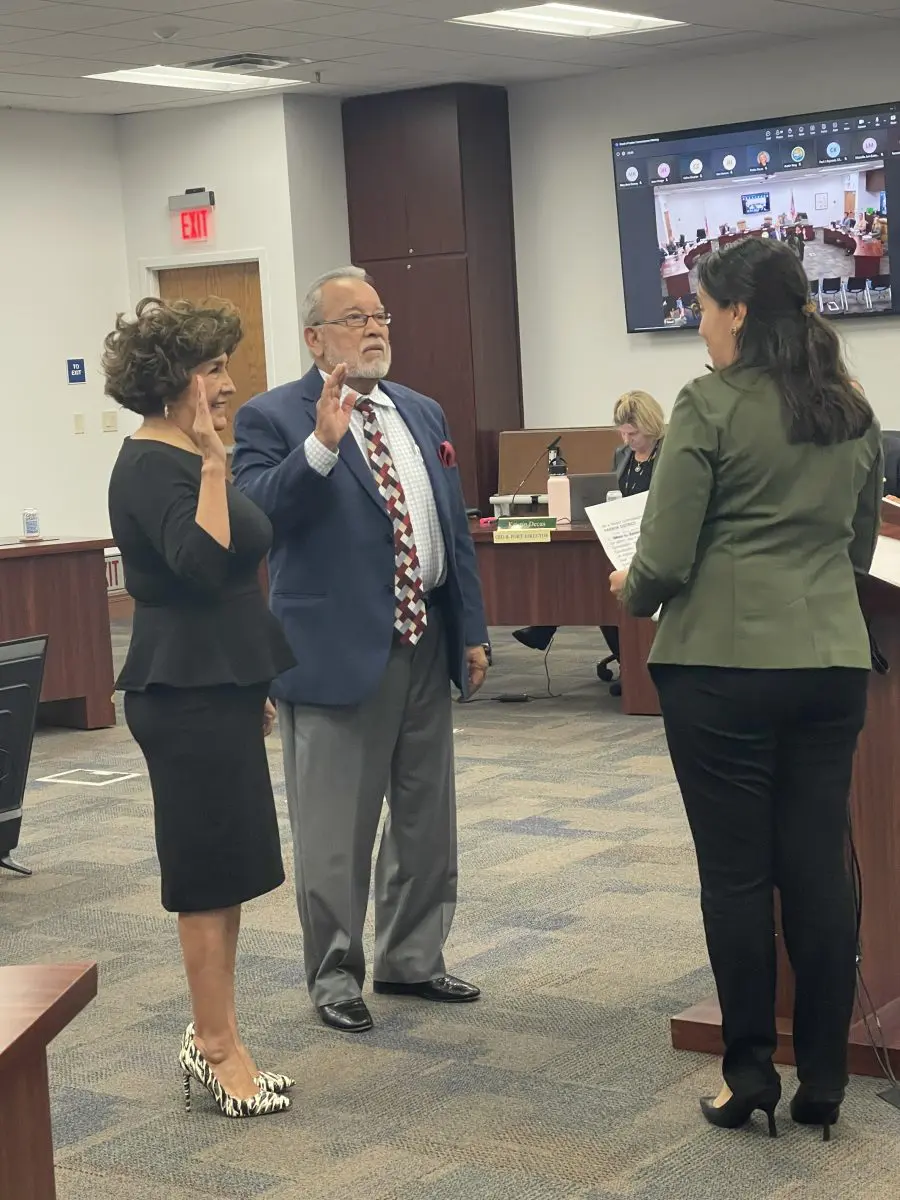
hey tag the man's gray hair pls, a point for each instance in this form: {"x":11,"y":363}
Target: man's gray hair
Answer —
{"x":310,"y":309}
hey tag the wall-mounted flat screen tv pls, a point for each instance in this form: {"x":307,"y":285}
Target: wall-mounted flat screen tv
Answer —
{"x":756,"y":203}
{"x":824,"y":183}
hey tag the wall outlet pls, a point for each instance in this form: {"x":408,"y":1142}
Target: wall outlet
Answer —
{"x":110,"y":422}
{"x":78,"y":423}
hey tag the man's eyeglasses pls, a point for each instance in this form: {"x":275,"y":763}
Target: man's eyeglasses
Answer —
{"x":358,"y":320}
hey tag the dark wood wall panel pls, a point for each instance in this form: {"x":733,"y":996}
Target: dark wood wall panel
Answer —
{"x":430,"y":197}
{"x":429,"y":301}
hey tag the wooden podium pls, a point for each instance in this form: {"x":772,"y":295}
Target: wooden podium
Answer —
{"x":875,"y":810}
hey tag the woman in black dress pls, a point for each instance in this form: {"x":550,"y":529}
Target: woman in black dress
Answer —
{"x":203,"y":653}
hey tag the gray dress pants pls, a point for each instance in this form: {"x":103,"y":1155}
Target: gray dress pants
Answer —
{"x":340,"y":765}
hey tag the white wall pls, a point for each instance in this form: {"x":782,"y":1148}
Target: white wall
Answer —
{"x":237,"y":150}
{"x":63,"y":252}
{"x":318,"y":190}
{"x":571,"y":310}
{"x":83,"y":212}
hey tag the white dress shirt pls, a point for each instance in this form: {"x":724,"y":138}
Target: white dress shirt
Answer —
{"x":411,"y":471}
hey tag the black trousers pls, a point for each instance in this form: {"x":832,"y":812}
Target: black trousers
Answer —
{"x":764,"y":761}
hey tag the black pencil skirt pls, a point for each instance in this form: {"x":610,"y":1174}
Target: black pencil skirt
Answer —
{"x":214,"y":812}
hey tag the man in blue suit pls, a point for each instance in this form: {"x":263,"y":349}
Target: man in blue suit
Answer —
{"x":373,"y":575}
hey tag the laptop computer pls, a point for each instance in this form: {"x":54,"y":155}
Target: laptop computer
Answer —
{"x":587,"y":490}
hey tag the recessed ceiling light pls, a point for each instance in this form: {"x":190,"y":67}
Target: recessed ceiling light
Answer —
{"x":566,"y":20}
{"x":203,"y":81}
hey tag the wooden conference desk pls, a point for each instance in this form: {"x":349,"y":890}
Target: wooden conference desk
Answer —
{"x":565,"y":582}
{"x":58,"y":588}
{"x":36,"y":1003}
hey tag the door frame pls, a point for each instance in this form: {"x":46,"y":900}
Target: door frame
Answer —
{"x":149,"y":269}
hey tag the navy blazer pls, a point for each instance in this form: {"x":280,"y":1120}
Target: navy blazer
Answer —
{"x":331,"y":567}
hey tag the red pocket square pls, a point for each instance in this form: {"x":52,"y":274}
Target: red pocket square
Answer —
{"x":447,"y":454}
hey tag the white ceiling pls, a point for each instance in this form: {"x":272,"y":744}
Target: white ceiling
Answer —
{"x":356,"y":46}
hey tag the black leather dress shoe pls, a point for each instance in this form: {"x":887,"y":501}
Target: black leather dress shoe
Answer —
{"x":349,"y":1016}
{"x":446,"y":989}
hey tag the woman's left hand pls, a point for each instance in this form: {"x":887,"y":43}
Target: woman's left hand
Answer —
{"x":617,"y":582}
{"x":269,"y":715}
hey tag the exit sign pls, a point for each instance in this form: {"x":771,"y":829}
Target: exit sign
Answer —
{"x":194,"y":224}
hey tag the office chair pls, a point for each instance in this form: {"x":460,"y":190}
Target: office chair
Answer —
{"x":880,"y":288}
{"x":833,"y":294}
{"x":858,"y":288}
{"x":815,"y":292}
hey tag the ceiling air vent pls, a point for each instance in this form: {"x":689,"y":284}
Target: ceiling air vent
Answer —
{"x":241,"y":62}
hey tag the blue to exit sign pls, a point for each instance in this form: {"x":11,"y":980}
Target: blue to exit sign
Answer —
{"x":75,"y":369}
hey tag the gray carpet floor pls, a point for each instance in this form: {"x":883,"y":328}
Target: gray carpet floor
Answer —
{"x":578,"y":916}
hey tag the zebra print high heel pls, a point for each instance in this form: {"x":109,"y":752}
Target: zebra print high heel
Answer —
{"x":195,"y":1066}
{"x":268,"y":1081}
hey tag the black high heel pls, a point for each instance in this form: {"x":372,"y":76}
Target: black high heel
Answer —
{"x":739,"y":1109}
{"x":809,"y":1107}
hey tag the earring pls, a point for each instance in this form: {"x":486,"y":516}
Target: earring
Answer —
{"x":734,"y":331}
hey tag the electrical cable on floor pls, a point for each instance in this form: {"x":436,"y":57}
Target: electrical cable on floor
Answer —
{"x":520,"y":697}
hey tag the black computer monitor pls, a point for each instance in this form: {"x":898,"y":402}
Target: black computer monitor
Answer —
{"x":21,"y":677}
{"x":587,"y":490}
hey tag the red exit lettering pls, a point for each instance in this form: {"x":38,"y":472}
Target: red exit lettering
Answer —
{"x":195,"y":225}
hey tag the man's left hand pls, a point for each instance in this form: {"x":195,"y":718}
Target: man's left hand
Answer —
{"x":477,"y":664}
{"x":617,"y":582}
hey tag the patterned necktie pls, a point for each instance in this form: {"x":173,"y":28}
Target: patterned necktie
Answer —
{"x":410,"y":616}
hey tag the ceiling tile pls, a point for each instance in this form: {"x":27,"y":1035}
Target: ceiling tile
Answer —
{"x":354,"y":24}
{"x":36,"y":64}
{"x":12,"y":35}
{"x":249,"y":40}
{"x":144,"y":29}
{"x":267,"y":12}
{"x":79,"y":45}
{"x":37,"y":85}
{"x":444,"y":10}
{"x":139,"y":7}
{"x":17,"y":6}
{"x":467,"y":39}
{"x":64,"y":18}
{"x":150,"y":54}
{"x":412,"y":57}
{"x":293,"y":46}
{"x":13,"y":60}
{"x":764,"y":16}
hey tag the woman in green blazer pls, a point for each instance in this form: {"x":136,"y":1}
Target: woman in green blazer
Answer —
{"x":763,"y":510}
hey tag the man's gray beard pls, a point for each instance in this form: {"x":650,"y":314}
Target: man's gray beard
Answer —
{"x":364,"y":370}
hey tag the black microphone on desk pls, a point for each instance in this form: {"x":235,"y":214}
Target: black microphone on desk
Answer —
{"x":531,"y":470}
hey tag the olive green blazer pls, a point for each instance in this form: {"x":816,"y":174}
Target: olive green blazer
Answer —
{"x":750,"y":543}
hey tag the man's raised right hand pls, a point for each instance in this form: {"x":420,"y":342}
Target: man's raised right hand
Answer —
{"x":332,"y":413}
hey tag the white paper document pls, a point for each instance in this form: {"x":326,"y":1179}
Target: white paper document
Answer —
{"x":617,"y":524}
{"x":886,"y":562}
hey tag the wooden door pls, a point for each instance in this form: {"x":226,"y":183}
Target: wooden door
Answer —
{"x":428,"y":299}
{"x":239,"y":283}
{"x":849,"y":204}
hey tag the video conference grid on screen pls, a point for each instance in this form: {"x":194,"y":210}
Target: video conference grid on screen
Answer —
{"x":821,"y":183}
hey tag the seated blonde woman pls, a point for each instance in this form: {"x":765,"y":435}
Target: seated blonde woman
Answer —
{"x":642,"y":426}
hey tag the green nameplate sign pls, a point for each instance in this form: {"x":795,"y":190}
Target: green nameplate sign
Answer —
{"x":526,"y":523}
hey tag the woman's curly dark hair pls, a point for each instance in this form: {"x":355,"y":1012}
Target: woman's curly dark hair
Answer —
{"x":148,"y":361}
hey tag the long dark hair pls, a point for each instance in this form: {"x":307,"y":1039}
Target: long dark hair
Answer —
{"x":785,"y":336}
